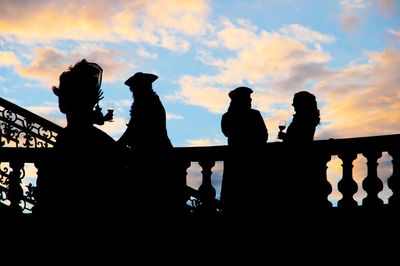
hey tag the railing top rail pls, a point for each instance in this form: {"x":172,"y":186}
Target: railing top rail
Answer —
{"x":29,"y":115}
{"x":359,"y":144}
{"x":331,"y":146}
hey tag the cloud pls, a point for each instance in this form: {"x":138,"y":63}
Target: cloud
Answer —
{"x":355,"y":12}
{"x":355,"y":4}
{"x":41,"y":26}
{"x":161,"y":23}
{"x":271,"y":62}
{"x":44,"y":110}
{"x":49,"y":63}
{"x":46,"y":67}
{"x":306,"y":35}
{"x":8,"y":58}
{"x":351,"y":16}
{"x":145,"y":54}
{"x":371,"y":101}
{"x":394,"y":32}
{"x":195,"y":91}
{"x":235,"y":38}
{"x":115,"y":128}
{"x":173,"y":116}
{"x":186,"y":16}
{"x":360,"y":99}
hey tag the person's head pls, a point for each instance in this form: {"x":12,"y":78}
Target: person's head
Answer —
{"x":241,"y":97}
{"x":303,"y":100}
{"x":305,"y":103}
{"x":140,"y":83}
{"x":79,"y":88}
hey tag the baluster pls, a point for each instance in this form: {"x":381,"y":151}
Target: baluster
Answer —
{"x":372,"y":184}
{"x":182,"y":166}
{"x":15,"y":193}
{"x":206,"y":190}
{"x":347,"y":186}
{"x":324,"y":186}
{"x":394,"y":179}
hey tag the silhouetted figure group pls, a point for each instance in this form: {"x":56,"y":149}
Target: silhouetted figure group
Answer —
{"x":90,"y":177}
{"x":90,"y":180}
{"x":257,"y":182}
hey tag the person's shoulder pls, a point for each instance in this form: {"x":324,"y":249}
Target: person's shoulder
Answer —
{"x":254,"y":111}
{"x":226,"y":115}
{"x":101,"y":135}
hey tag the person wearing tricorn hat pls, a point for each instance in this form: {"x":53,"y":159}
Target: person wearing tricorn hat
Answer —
{"x":246,"y":132}
{"x":147,"y":129}
{"x":147,"y":136}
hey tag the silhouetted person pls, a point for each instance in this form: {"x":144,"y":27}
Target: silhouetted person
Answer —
{"x":305,"y":120}
{"x":247,"y":135}
{"x":302,"y":185}
{"x":83,"y":182}
{"x":160,"y":191}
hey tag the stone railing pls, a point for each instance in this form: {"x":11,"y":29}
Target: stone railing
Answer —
{"x":26,"y":140}
{"x":18,"y":192}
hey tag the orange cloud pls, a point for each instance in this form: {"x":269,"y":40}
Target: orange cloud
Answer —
{"x":8,"y":59}
{"x":159,"y":23}
{"x":371,"y":100}
{"x":49,"y":63}
{"x":196,"y":91}
{"x":273,"y":63}
{"x":356,"y":100}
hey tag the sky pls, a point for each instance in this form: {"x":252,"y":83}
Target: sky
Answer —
{"x":345,"y":52}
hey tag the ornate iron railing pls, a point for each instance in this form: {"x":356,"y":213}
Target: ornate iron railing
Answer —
{"x":29,"y":135}
{"x":22,"y":128}
{"x":29,"y":138}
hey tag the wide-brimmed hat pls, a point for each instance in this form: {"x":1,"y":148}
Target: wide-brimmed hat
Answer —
{"x":141,"y":78}
{"x":240,"y":92}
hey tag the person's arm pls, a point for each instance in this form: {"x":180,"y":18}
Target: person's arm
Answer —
{"x":282,"y":135}
{"x":225,"y":125}
{"x":124,"y":139}
{"x":263,"y":131}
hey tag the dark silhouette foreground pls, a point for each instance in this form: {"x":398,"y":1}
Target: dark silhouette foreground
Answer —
{"x":247,"y":134}
{"x":157,"y":189}
{"x":82,"y":183}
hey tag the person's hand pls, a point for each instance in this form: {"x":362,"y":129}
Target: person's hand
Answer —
{"x":281,"y":135}
{"x":109,"y":116}
{"x":98,"y":118}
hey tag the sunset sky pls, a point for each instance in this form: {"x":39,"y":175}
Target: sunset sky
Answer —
{"x":346,"y":52}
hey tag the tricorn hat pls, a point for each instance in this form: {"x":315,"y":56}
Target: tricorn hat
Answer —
{"x":240,"y":92}
{"x":141,"y":78}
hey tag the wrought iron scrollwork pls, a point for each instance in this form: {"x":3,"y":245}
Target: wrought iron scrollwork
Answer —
{"x":22,"y":128}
